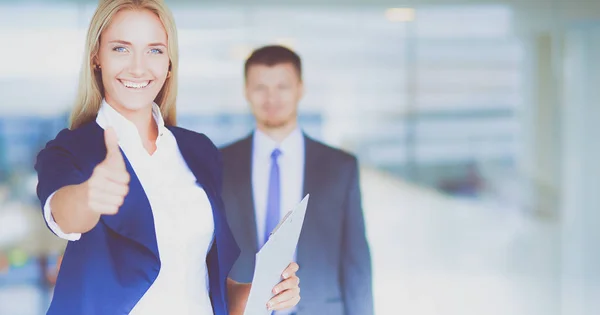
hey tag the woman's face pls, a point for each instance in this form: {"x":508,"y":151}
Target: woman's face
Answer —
{"x":133,"y":60}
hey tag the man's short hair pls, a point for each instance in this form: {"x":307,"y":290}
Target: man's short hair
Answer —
{"x":273,"y":55}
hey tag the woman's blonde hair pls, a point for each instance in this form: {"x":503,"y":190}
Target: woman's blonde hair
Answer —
{"x":91,"y":90}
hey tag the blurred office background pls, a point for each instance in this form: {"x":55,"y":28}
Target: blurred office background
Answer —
{"x":475,"y":122}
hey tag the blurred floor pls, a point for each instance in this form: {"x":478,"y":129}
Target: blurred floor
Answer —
{"x":440,"y":255}
{"x":434,"y":254}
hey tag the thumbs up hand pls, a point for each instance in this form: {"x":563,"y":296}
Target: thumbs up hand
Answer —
{"x":114,"y":159}
{"x":109,"y":183}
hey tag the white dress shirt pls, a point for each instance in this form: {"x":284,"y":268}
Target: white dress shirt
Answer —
{"x":182,"y":213}
{"x":291,"y":173}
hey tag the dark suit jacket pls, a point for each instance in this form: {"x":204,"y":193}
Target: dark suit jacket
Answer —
{"x":110,"y":268}
{"x":333,"y":253}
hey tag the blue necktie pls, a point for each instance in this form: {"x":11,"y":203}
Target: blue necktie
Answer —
{"x":273,"y":197}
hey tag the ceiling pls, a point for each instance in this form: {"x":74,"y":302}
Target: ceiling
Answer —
{"x":530,"y":16}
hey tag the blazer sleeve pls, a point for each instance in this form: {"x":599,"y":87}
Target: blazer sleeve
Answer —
{"x":356,"y":258}
{"x":56,"y":167}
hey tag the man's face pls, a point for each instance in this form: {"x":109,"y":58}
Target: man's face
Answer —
{"x":274,"y":93}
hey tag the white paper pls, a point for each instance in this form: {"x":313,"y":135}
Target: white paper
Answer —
{"x":273,"y":258}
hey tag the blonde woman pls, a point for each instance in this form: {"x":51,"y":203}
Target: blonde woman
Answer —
{"x":139,"y":199}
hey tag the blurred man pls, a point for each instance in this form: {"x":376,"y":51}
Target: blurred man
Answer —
{"x":267,"y":173}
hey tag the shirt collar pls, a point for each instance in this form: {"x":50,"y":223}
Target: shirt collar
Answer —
{"x":291,"y":146}
{"x":126,"y":131}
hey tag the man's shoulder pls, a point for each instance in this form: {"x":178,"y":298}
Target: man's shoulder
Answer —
{"x":236,"y":147}
{"x":330,"y":153}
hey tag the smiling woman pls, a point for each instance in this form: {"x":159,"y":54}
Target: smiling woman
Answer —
{"x":121,"y":56}
{"x":138,"y":198}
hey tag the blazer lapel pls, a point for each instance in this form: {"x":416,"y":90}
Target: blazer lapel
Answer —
{"x":201,"y":164}
{"x":134,"y":219}
{"x":195,"y":161}
{"x":197,"y":153}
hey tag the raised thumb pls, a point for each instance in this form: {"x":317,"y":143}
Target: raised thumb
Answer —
{"x":112,"y":145}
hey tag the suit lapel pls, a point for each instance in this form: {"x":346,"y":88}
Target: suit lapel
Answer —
{"x":313,"y":185}
{"x":242,"y":190}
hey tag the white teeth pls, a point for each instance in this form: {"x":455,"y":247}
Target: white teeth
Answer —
{"x":134,"y":85}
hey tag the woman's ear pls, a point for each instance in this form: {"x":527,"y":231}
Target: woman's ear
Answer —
{"x":95,"y":63}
